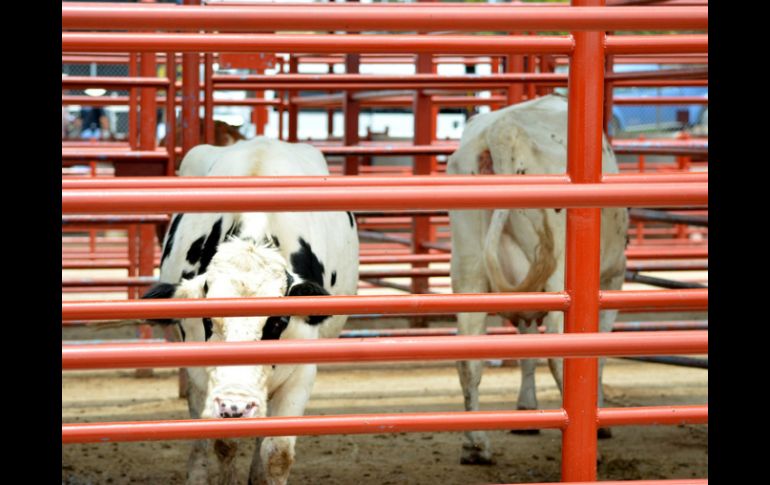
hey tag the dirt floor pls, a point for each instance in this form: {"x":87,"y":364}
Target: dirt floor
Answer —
{"x":420,"y":458}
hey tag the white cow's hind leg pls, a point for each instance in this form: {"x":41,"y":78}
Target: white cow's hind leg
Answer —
{"x":274,"y":455}
{"x":527,"y":392}
{"x":198,"y":462}
{"x":606,"y":320}
{"x":476,"y":449}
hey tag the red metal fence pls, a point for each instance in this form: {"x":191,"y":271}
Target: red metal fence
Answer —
{"x":582,"y":190}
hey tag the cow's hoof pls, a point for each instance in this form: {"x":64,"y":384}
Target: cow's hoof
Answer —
{"x":473,"y":455}
{"x":604,"y":433}
{"x":525,"y":431}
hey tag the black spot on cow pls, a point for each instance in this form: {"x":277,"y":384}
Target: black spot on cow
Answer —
{"x":161,"y":290}
{"x":194,"y":253}
{"x":170,"y":239}
{"x":188,"y":275}
{"x":208,"y":328}
{"x":181,"y":330}
{"x":289,"y":281}
{"x":276,"y":242}
{"x":306,"y":264}
{"x":210,"y":247}
{"x":558,"y":210}
{"x":205,"y":288}
{"x":309,"y":288}
{"x":334,"y":278}
{"x":521,"y":171}
{"x":352,"y":219}
{"x":274,"y":327}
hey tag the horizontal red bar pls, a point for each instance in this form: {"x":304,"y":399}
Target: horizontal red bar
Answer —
{"x":323,"y":305}
{"x":359,"y":424}
{"x":383,"y":198}
{"x":311,"y":425}
{"x":321,"y":43}
{"x":78,"y":82}
{"x":393,"y":349}
{"x":379,"y":17}
{"x":362,"y":180}
{"x":669,"y":415}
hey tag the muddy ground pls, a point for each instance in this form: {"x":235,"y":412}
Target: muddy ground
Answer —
{"x":421,"y":458}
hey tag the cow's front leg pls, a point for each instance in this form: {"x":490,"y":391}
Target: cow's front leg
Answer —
{"x":226,"y":451}
{"x":476,"y":449}
{"x":198,"y":461}
{"x":274,"y":455}
{"x":527,"y":392}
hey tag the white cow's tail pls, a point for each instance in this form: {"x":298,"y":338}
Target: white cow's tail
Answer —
{"x":539,"y":271}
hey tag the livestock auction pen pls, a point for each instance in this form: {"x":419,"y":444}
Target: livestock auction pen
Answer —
{"x":401,"y":214}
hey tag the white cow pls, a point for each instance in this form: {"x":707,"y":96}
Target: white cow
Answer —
{"x":520,"y":250}
{"x":272,"y":254}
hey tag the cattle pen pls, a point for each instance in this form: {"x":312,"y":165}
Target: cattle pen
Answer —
{"x":117,"y":194}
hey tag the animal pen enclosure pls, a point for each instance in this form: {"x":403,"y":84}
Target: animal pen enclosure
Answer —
{"x":401,"y":210}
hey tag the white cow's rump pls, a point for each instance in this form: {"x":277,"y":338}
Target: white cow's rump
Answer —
{"x":235,"y":255}
{"x":521,"y":250}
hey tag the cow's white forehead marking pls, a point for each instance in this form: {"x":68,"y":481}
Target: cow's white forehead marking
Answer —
{"x":247,"y":268}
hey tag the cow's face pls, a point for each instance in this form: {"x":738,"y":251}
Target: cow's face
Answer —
{"x":243,"y":269}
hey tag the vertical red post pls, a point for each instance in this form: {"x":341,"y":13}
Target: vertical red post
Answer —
{"x":171,"y":113}
{"x":190,"y":96}
{"x":293,"y":108}
{"x":148,"y":104}
{"x":423,"y":165}
{"x":515,"y":90}
{"x":133,"y":106}
{"x":609,"y":64}
{"x":351,"y":109}
{"x":581,"y":282}
{"x":208,"y":96}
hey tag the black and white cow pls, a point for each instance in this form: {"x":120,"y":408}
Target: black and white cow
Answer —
{"x":521,"y":250}
{"x":271,"y":254}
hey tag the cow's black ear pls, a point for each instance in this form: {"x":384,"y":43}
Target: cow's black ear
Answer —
{"x":161,"y":290}
{"x":308,"y":288}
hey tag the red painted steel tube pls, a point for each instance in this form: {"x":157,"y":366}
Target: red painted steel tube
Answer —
{"x":327,"y":305}
{"x":582,"y":261}
{"x":360,"y":424}
{"x":382,"y":198}
{"x":319,"y":43}
{"x":171,"y":126}
{"x":119,"y":154}
{"x":122,"y":100}
{"x":394,"y":349}
{"x":115,"y":82}
{"x":125,"y":219}
{"x":690,"y":299}
{"x":365,"y":180}
{"x":419,"y":79}
{"x":379,"y":17}
{"x":657,"y":44}
{"x":668,"y":300}
{"x":669,"y":415}
{"x":310,"y":425}
{"x":687,"y":252}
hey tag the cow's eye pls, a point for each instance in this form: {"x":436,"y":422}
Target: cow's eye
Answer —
{"x":274,"y":327}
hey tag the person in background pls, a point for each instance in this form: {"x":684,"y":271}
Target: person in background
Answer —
{"x":96,"y":124}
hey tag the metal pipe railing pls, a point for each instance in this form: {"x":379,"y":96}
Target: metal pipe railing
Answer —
{"x":370,"y":423}
{"x":378,"y":17}
{"x":690,"y":299}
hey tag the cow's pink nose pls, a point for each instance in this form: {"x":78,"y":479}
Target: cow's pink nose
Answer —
{"x":234,"y":408}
